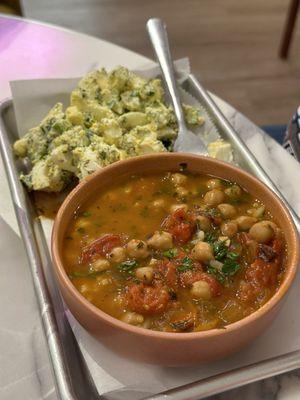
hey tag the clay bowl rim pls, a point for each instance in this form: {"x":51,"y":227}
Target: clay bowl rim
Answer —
{"x":99,"y":314}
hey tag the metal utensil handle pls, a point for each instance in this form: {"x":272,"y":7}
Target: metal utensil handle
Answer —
{"x":44,"y":301}
{"x":158,"y":35}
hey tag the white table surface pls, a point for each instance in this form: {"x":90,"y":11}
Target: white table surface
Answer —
{"x":32,"y":50}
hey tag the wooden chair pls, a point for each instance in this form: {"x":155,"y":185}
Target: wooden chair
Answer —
{"x":289,"y":29}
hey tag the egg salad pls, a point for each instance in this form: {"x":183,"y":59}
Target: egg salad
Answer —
{"x":112,"y":116}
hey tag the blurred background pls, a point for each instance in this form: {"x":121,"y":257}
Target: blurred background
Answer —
{"x":233,"y":45}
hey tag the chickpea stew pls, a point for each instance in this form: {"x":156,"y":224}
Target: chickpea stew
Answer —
{"x":175,"y":252}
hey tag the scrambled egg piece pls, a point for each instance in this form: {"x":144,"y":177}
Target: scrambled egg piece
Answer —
{"x":220,"y":150}
{"x":112,"y":116}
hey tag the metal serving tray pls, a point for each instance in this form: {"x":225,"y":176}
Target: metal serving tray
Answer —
{"x":71,"y":375}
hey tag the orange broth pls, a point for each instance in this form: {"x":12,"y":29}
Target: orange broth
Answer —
{"x":132,"y":255}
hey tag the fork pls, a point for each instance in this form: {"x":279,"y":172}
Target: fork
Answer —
{"x":186,"y":140}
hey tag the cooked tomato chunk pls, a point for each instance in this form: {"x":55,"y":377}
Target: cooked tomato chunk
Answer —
{"x":100,"y":247}
{"x":181,"y":225}
{"x":147,"y":299}
{"x":166,"y":272}
{"x":262,"y":273}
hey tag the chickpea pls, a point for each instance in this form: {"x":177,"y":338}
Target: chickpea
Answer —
{"x":224,"y":239}
{"x":100,"y":265}
{"x":262,"y":232}
{"x":85,"y":288}
{"x":137,"y":249}
{"x":257,"y":212}
{"x":176,"y":207}
{"x":214,"y":184}
{"x":178,"y":179}
{"x":117,"y":255}
{"x":201,"y":290}
{"x":153,"y":262}
{"x":227,"y":210}
{"x":202,"y":252}
{"x":244,"y":222}
{"x":181,"y":191}
{"x":274,"y":227}
{"x":203,"y":223}
{"x":145,"y":274}
{"x":161,"y":240}
{"x":133,"y":318}
{"x":229,"y":228}
{"x":214,"y":197}
{"x":233,"y":192}
{"x":103,"y":281}
{"x":159,"y":203}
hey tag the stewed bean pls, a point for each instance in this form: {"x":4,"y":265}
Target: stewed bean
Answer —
{"x":262,"y":232}
{"x":244,"y":222}
{"x":214,"y":197}
{"x":227,"y":210}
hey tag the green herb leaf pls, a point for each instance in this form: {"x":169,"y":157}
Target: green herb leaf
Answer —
{"x":216,"y":273}
{"x":185,"y":265}
{"x":220,"y":250}
{"x":128,"y":266}
{"x":230,"y":267}
{"x":232,"y":256}
{"x":86,"y":214}
{"x":212,"y":212}
{"x":171,"y":253}
{"x":210,"y":237}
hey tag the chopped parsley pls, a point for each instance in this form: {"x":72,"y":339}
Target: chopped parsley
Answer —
{"x":230,"y":264}
{"x":185,"y":265}
{"x":210,"y":237}
{"x":220,"y":250}
{"x":216,"y":273}
{"x":86,"y":214}
{"x":127,"y":266}
{"x":212,"y":212}
{"x":171,"y":253}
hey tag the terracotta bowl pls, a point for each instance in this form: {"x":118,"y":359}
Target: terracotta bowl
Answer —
{"x":162,"y":347}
